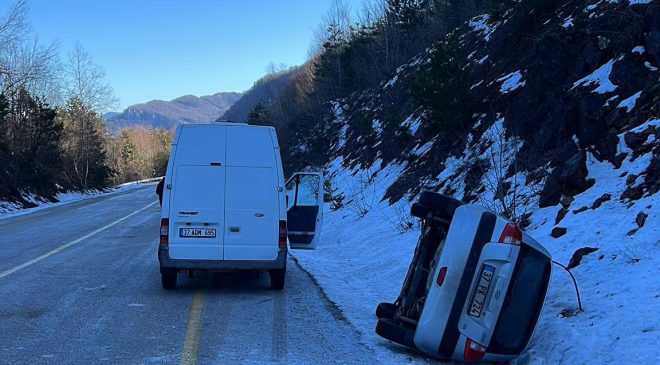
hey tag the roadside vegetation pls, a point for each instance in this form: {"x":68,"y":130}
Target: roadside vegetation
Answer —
{"x":52,"y":135}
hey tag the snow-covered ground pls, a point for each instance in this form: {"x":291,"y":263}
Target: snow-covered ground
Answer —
{"x":365,"y":251}
{"x":10,"y":209}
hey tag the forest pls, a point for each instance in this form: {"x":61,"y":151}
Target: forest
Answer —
{"x":53,"y":138}
{"x":355,"y":49}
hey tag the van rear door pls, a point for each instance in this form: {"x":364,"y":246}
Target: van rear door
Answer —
{"x":252,"y":204}
{"x":198,"y":196}
{"x":304,"y":192}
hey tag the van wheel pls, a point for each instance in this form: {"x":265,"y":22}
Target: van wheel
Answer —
{"x":168,"y":278}
{"x":277,"y":278}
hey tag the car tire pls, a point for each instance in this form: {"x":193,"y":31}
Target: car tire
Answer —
{"x":442,"y":204}
{"x":390,"y":330}
{"x":420,"y":211}
{"x":168,"y":278}
{"x":385,"y":310}
{"x":277,"y":278}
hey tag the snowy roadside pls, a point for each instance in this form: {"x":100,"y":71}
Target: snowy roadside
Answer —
{"x":363,"y":257}
{"x":361,"y":261}
{"x":10,"y":209}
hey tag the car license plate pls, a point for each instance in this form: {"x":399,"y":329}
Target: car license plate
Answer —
{"x":197,"y":232}
{"x":480,"y":293}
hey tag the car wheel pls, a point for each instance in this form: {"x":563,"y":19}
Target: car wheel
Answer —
{"x":420,"y":211}
{"x":385,"y":310}
{"x":390,"y":330}
{"x":441,"y":204}
{"x":168,"y":278}
{"x":277,"y":278}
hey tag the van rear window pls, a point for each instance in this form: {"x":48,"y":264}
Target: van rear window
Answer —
{"x":523,"y":302}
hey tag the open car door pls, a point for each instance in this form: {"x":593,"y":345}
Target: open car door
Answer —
{"x":304,"y":195}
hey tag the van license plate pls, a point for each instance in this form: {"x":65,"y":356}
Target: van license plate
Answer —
{"x":480,"y":293}
{"x":197,"y":232}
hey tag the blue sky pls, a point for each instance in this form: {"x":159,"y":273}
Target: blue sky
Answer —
{"x":162,"y":49}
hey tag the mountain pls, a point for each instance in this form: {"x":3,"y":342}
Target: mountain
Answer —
{"x":169,"y":114}
{"x":264,"y":90}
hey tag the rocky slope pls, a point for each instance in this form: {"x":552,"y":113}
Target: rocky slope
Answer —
{"x":545,"y":111}
{"x":168,"y":114}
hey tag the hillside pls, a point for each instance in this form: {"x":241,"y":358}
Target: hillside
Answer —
{"x":168,"y":114}
{"x":264,"y":90}
{"x":546,"y":112}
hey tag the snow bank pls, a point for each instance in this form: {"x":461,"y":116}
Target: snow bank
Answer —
{"x":10,"y":209}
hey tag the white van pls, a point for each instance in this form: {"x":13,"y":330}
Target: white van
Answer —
{"x":224,"y":202}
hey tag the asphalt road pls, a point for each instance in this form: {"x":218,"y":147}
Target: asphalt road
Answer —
{"x":79,"y":284}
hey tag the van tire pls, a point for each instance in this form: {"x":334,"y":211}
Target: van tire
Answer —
{"x":442,"y":204}
{"x":277,"y":278}
{"x":168,"y":278}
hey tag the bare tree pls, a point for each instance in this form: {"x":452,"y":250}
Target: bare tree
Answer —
{"x":85,"y":81}
{"x":501,"y":180}
{"x":24,"y":62}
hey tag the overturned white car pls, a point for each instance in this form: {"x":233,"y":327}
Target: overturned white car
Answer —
{"x":475,"y":287}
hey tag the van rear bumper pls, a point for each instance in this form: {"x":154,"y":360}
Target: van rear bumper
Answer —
{"x":219,"y":265}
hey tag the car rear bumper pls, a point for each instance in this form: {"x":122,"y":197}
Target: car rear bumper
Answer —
{"x":220,"y":265}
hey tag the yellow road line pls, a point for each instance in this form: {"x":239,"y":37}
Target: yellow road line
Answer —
{"x":194,"y":331}
{"x":67,"y":245}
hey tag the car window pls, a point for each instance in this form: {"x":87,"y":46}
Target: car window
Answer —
{"x":523,"y":302}
{"x":303,"y":190}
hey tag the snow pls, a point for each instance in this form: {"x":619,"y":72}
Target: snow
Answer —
{"x":600,"y":77}
{"x":568,"y":22}
{"x":480,"y":25}
{"x":370,"y":253}
{"x":655,"y":122}
{"x":477,"y":84}
{"x":423,"y":149}
{"x":391,"y":82}
{"x":10,"y":209}
{"x":377,"y":125}
{"x":648,"y":65}
{"x":629,"y":103}
{"x":511,"y":82}
{"x":412,"y":123}
{"x":639,"y":50}
{"x":591,"y":7}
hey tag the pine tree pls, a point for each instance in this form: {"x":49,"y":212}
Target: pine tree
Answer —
{"x":85,"y":155}
{"x":36,"y":154}
{"x":4,"y":148}
{"x":260,"y":115}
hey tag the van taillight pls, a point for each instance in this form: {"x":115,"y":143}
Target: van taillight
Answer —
{"x":511,"y":235}
{"x":283,"y":235}
{"x":473,"y":351}
{"x":164,"y":231}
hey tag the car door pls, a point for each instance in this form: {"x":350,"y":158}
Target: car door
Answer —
{"x":304,"y":195}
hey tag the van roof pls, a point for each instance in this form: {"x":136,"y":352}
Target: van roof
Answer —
{"x":225,"y":123}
